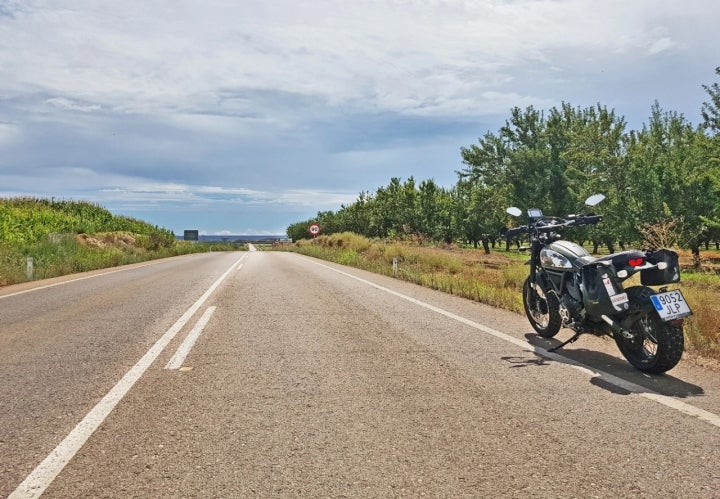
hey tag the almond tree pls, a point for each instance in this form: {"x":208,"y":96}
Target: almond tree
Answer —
{"x":711,"y":110}
{"x":674,"y":176}
{"x":595,"y":161}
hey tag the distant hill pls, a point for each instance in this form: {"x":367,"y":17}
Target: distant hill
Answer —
{"x":240,"y":238}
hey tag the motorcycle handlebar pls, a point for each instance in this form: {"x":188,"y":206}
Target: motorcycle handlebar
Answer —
{"x":516,"y":231}
{"x":590,"y":219}
{"x":580,"y":220}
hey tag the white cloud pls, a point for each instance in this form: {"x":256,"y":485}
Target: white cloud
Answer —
{"x":661,"y":45}
{"x":208,"y":195}
{"x":71,"y":105}
{"x":408,"y":57}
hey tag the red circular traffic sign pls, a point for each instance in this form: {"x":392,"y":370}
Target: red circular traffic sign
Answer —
{"x":314,"y":229}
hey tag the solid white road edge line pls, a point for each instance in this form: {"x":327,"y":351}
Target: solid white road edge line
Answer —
{"x":138,"y":266}
{"x":80,"y":279}
{"x":184,"y":349}
{"x":43,"y":475}
{"x":665,"y":400}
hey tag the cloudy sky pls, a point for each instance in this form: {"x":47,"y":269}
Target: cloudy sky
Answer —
{"x":245,"y":116}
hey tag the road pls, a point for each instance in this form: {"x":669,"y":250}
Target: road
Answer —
{"x":270,"y":374}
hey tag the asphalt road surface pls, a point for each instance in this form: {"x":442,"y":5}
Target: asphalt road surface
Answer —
{"x":269,"y":374}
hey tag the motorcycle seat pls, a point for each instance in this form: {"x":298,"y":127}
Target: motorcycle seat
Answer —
{"x":617,"y":259}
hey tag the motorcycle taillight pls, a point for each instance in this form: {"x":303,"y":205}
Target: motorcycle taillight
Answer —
{"x":636,"y":262}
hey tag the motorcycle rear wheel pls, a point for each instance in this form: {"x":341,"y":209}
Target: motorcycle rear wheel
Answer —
{"x":542,"y":310}
{"x":659,"y":346}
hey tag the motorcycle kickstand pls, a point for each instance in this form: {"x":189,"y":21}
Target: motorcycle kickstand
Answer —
{"x":571,"y":340}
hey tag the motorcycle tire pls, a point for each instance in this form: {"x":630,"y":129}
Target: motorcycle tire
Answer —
{"x":542,"y":310}
{"x":659,"y":345}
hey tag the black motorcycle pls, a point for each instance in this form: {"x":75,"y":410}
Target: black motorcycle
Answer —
{"x":567,"y":287}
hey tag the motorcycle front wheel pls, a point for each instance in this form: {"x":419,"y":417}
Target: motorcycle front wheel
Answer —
{"x":542,"y":309}
{"x":658,"y":345}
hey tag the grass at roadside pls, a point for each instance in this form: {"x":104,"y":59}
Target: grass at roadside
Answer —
{"x":69,"y":254}
{"x":494,"y":279}
{"x":497,"y":279}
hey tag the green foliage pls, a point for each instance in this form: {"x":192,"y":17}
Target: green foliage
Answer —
{"x":674,"y":177}
{"x":298,"y":230}
{"x":29,"y":220}
{"x":711,"y":110}
{"x":402,"y":209}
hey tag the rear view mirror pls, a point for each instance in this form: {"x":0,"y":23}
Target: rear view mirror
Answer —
{"x":595,"y":199}
{"x":516,"y":212}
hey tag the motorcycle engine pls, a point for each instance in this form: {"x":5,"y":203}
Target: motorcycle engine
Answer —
{"x":570,"y":309}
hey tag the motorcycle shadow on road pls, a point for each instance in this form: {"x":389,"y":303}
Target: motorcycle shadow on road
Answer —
{"x":604,"y":364}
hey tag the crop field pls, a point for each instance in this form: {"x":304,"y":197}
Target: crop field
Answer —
{"x":63,"y":237}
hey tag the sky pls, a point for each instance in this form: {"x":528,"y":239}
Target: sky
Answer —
{"x":247,"y":116}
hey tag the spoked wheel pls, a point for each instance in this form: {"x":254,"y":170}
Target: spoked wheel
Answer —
{"x":542,"y":309}
{"x":657,"y":346}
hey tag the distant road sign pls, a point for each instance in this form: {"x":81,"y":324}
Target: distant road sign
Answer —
{"x":314,"y":229}
{"x":191,"y":235}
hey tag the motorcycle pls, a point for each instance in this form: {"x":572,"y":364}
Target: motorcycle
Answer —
{"x":569,"y":288}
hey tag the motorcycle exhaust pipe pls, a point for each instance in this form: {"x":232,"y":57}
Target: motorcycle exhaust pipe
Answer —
{"x":616,"y":328}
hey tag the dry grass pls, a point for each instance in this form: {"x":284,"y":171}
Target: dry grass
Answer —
{"x":702,"y":288}
{"x":494,"y":279}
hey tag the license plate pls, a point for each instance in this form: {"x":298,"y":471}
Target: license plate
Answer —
{"x":671,"y":305}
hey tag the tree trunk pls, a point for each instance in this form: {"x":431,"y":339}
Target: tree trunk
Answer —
{"x":486,"y":245}
{"x":695,"y":249}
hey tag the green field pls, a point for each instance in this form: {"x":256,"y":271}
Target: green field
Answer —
{"x":64,"y":237}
